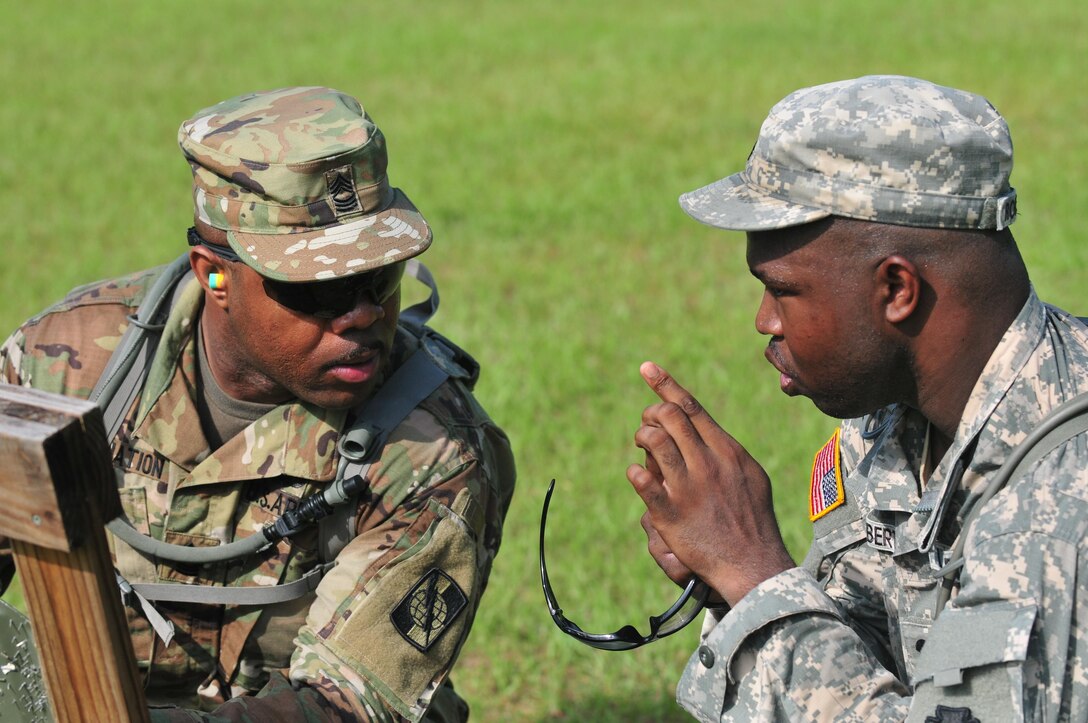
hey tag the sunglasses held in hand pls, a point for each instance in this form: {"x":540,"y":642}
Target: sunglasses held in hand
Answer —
{"x":686,"y":608}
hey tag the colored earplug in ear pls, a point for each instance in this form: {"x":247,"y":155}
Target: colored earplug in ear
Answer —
{"x":215,"y":281}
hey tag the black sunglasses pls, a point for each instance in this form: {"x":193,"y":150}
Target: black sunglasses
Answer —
{"x":686,"y":608}
{"x":323,"y":299}
{"x":336,"y":297}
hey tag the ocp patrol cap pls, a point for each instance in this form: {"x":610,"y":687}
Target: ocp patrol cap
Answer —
{"x":882,"y":148}
{"x":297,"y":178}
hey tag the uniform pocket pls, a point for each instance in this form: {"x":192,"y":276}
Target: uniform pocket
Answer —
{"x":910,"y":595}
{"x":130,"y":563}
{"x":827,"y":549}
{"x":974,"y":658}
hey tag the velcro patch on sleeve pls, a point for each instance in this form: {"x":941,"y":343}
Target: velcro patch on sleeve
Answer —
{"x":826,"y":491}
{"x":404,"y":634}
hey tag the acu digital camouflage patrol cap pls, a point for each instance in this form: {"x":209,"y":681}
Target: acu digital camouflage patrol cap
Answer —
{"x":297,"y":179}
{"x":882,"y":148}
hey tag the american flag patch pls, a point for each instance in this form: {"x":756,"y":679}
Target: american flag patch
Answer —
{"x":826,"y":493}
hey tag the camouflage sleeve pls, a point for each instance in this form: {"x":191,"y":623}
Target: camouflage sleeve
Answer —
{"x":11,"y":355}
{"x":281,"y":702}
{"x":785,"y":652}
{"x":390,"y":618}
{"x":64,"y":348}
{"x":277,"y":702}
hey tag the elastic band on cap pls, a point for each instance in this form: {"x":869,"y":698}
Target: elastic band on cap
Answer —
{"x":226,"y":252}
{"x":372,"y":199}
{"x":1003,"y":209}
{"x":872,"y":202}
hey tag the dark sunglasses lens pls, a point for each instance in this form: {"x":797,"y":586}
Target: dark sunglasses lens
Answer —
{"x":330,"y":299}
{"x":303,"y":298}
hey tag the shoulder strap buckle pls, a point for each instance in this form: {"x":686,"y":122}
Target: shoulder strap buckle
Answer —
{"x":450,"y":358}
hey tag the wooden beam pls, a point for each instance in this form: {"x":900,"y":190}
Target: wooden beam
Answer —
{"x":58,"y":488}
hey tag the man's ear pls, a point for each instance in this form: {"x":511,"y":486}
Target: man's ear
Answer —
{"x":211,"y":271}
{"x":899,"y":286}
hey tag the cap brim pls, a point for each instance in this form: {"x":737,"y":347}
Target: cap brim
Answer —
{"x":395,"y":233}
{"x":734,"y":205}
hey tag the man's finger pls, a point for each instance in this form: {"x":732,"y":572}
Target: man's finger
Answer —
{"x":669,"y":390}
{"x":663,"y":556}
{"x":647,"y":485}
{"x":660,"y":445}
{"x":653,"y":467}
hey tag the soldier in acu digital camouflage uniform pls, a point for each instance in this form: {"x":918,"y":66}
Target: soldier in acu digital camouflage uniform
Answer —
{"x":895,"y":298}
{"x":288,"y":323}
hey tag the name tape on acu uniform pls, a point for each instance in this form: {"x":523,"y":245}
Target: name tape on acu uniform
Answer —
{"x":879,"y":535}
{"x":137,"y":461}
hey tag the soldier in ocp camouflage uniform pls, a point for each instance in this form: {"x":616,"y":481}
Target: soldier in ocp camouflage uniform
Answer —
{"x":288,"y":322}
{"x":895,"y":297}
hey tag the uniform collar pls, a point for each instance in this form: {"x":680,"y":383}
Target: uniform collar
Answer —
{"x":294,"y":439}
{"x":891,"y":466}
{"x":977,"y":447}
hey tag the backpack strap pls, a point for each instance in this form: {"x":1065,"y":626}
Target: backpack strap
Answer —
{"x":124,"y":375}
{"x":254,"y":595}
{"x":435,"y":361}
{"x":419,"y":314}
{"x":1064,"y":422}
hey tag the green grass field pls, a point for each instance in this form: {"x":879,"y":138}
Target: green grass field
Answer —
{"x":546,"y":143}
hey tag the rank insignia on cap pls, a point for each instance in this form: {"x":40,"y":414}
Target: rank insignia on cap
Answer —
{"x":428,"y":609}
{"x":341,"y":185}
{"x":826,"y":492}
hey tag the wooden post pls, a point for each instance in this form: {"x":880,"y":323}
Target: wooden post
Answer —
{"x":57,"y":488}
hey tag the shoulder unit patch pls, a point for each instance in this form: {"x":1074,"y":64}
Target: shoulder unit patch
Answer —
{"x":428,"y":609}
{"x":826,"y":492}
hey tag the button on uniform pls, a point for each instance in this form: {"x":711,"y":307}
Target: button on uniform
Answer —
{"x":706,"y":656}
